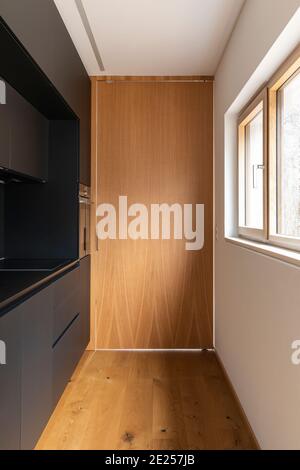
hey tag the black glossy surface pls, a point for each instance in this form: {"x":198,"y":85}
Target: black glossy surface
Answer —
{"x":16,"y":285}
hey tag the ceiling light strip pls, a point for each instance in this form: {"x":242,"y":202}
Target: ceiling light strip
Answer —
{"x":89,"y":33}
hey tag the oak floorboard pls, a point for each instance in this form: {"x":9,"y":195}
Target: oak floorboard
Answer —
{"x":147,"y":400}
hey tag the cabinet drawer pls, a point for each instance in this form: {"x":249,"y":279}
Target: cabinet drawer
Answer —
{"x":66,"y":301}
{"x":66,"y":354}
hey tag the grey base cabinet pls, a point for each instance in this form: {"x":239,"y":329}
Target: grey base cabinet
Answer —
{"x":42,"y":340}
{"x":66,"y":332}
{"x":66,"y":355}
{"x":10,"y":380}
{"x":36,"y":378}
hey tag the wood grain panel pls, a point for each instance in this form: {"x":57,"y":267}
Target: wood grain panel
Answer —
{"x":154,"y":144}
{"x":148,"y":400}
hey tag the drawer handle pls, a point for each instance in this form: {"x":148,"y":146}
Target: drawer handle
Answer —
{"x":64,"y":331}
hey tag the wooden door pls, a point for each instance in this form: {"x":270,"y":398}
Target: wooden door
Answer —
{"x":153,"y":142}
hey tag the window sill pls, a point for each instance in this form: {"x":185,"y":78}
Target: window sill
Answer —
{"x":283,"y":254}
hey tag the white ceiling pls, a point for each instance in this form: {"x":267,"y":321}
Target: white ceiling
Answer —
{"x":150,"y":37}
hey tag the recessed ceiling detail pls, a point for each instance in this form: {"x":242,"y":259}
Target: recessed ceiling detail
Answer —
{"x":89,"y":33}
{"x":150,"y":37}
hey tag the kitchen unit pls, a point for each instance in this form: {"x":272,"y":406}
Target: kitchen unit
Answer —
{"x":44,"y":156}
{"x":45,"y":336}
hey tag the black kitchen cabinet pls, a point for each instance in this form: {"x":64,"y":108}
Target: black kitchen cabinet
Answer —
{"x":44,"y":338}
{"x":36,"y":391}
{"x":29,"y":136}
{"x":66,"y":301}
{"x":10,"y":380}
{"x":23,"y":136}
{"x":67,"y":330}
{"x":85,"y":267}
{"x":4,"y":129}
{"x":66,"y":354}
{"x":38,"y":26}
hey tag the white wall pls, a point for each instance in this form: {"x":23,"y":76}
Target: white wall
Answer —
{"x":257,"y":305}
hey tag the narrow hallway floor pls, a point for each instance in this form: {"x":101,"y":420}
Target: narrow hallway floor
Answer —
{"x":147,"y":400}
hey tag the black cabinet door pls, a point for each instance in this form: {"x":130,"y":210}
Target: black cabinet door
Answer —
{"x":85,"y":267}
{"x":4,"y":128}
{"x":36,"y":365}
{"x":29,"y":137}
{"x":10,"y":380}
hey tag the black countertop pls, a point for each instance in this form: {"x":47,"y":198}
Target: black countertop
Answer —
{"x":14,"y":285}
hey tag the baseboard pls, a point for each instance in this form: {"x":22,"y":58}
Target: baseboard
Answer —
{"x":237,"y":399}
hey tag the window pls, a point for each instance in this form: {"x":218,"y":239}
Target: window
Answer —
{"x":252,"y":165}
{"x":269,"y":161}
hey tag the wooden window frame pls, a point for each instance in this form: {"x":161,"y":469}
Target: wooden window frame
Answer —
{"x":282,"y":76}
{"x":259,"y":103}
{"x":267,"y":100}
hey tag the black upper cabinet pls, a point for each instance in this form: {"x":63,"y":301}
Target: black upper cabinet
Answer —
{"x":28,"y":136}
{"x":10,"y":381}
{"x":38,"y":26}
